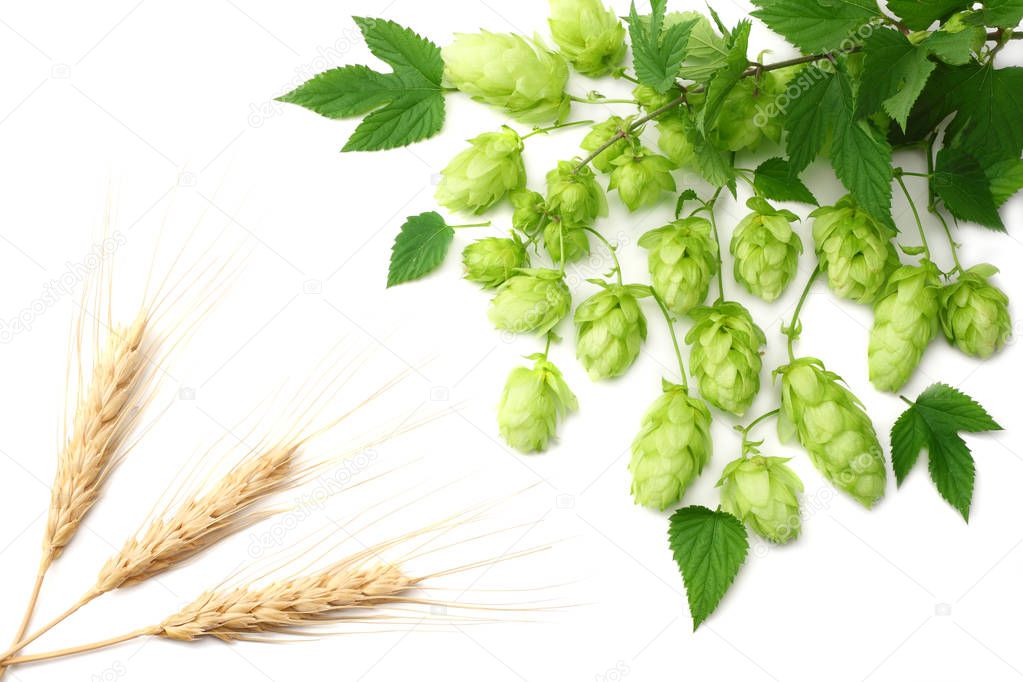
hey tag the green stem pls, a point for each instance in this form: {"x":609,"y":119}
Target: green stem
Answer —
{"x":547,"y":346}
{"x":792,"y":330}
{"x":587,"y":100}
{"x":467,"y":225}
{"x":951,"y":241}
{"x":611,"y":249}
{"x":674,"y":339}
{"x":917,"y":175}
{"x":932,"y":207}
{"x":746,"y":429}
{"x":709,"y":207}
{"x":916,"y":214}
{"x":544,"y":131}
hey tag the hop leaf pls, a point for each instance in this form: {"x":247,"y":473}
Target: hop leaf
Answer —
{"x":658,"y":52}
{"x":419,"y":248}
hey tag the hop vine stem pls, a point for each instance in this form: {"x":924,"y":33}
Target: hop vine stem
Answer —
{"x":559,"y":126}
{"x":745,"y":430}
{"x":674,"y":338}
{"x":792,"y":331}
{"x":611,"y":249}
{"x":916,"y":214}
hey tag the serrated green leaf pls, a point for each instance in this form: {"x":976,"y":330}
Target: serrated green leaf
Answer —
{"x":953,"y":48}
{"x":962,"y":184}
{"x":657,"y":53}
{"x":809,"y":118}
{"x":1006,"y":179}
{"x":709,"y":548}
{"x":934,"y":421}
{"x":419,"y":248}
{"x":952,"y":470}
{"x":706,"y":50}
{"x":998,"y":13}
{"x":816,"y":25}
{"x":895,"y":72}
{"x":722,"y":82}
{"x":404,"y":106}
{"x":920,"y":14}
{"x":775,"y":180}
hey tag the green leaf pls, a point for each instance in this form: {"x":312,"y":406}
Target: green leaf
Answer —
{"x":404,"y":106}
{"x":722,"y":82}
{"x":657,"y":53}
{"x":953,"y":48}
{"x":920,"y":14}
{"x":934,"y":421}
{"x":895,"y":72}
{"x":709,"y":548}
{"x":775,"y":180}
{"x":998,"y":13}
{"x":706,"y":51}
{"x":419,"y":248}
{"x":816,"y":25}
{"x":963,"y":185}
{"x":1006,"y":179}
{"x":808,"y":123}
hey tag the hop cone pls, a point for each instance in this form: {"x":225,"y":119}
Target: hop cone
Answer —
{"x":483,"y":174}
{"x":564,"y":242}
{"x":766,"y":251}
{"x":674,"y":139}
{"x":509,"y":71}
{"x":575,"y":197}
{"x":764,"y":493}
{"x":601,"y":133}
{"x":651,"y":100}
{"x":855,"y":251}
{"x":533,"y":402}
{"x":493,"y":260}
{"x":640,"y":178}
{"x":743,"y":123}
{"x":611,"y":328}
{"x":831,"y":425}
{"x":533,"y":300}
{"x":530,"y":211}
{"x":588,"y":34}
{"x":671,"y":449}
{"x":974,"y":313}
{"x":682,"y":261}
{"x":905,"y":321}
{"x":725,"y":358}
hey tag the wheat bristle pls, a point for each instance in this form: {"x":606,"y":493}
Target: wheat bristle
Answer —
{"x":99,"y":427}
{"x":202,"y":520}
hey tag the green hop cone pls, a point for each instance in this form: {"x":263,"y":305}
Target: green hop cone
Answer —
{"x":725,"y":358}
{"x":530,"y":211}
{"x":532,"y":403}
{"x":601,"y":133}
{"x":671,"y":449}
{"x":682,"y":262}
{"x":830,"y":423}
{"x":509,"y":71}
{"x":744,"y":123}
{"x":905,"y":322}
{"x":974,"y":313}
{"x":532,"y":300}
{"x":764,"y":493}
{"x":588,"y":34}
{"x":565,"y":243}
{"x":766,"y":250}
{"x":674,"y":139}
{"x":493,"y":260}
{"x":855,"y":251}
{"x":650,"y":100}
{"x":575,"y":197}
{"x":483,"y":174}
{"x":611,"y":329}
{"x":641,"y":177}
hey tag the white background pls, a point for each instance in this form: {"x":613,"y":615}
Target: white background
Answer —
{"x":164,"y":110}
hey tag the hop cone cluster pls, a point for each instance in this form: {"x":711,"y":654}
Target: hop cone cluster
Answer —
{"x":671,"y":449}
{"x":505,"y":70}
{"x":533,"y":402}
{"x":533,"y":300}
{"x":974,"y":313}
{"x":588,"y":34}
{"x":611,"y":328}
{"x":529,"y":211}
{"x":565,"y":242}
{"x":674,"y":129}
{"x":483,"y":174}
{"x":742,"y":124}
{"x":682,"y":261}
{"x":599,"y":134}
{"x":766,"y":251}
{"x":725,"y":358}
{"x":575,"y":197}
{"x":831,"y":425}
{"x":905,"y":322}
{"x":493,"y":260}
{"x":641,"y":177}
{"x":855,"y":251}
{"x":764,"y":493}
